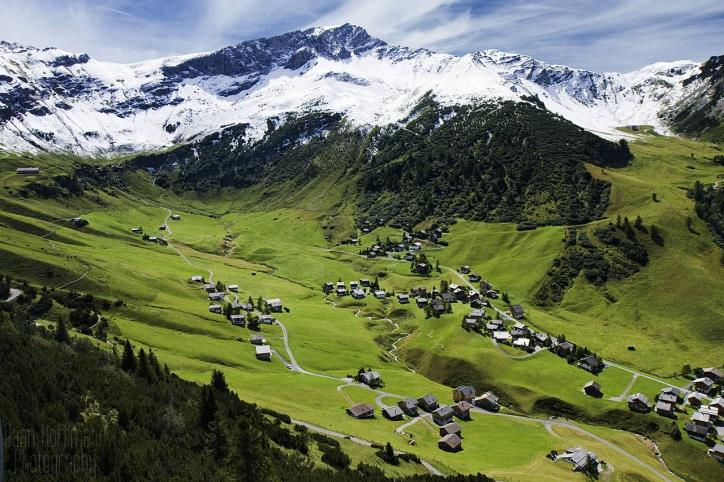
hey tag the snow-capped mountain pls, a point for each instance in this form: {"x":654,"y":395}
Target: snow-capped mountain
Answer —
{"x":56,"y":100}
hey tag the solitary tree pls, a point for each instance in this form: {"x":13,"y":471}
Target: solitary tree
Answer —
{"x":218,"y":381}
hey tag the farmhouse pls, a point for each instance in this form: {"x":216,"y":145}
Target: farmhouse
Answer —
{"x":238,"y":320}
{"x":438,"y":307}
{"x":582,"y":460}
{"x":448,"y":297}
{"x":263,"y":352}
{"x":465,"y":269}
{"x":274,"y":304}
{"x":672,"y":394}
{"x":664,"y":409}
{"x":353,"y":285}
{"x":153,"y":239}
{"x":470,"y":323}
{"x":517,"y":311}
{"x":175,"y":217}
{"x":428,"y":402}
{"x":450,"y":428}
{"x":421,"y":301}
{"x":542,"y":339}
{"x":718,"y":404}
{"x":564,"y":349}
{"x":365,"y":282}
{"x":462,"y":410}
{"x":162,"y":227}
{"x":136,"y":230}
{"x":694,"y":398}
{"x":358,"y":293}
{"x":393,"y":412}
{"x":703,"y":385}
{"x":79,"y":222}
{"x":234,"y":288}
{"x":712,"y":373}
{"x":266,"y":320}
{"x":257,"y":339}
{"x":215,"y":308}
{"x":638,"y":403}
{"x":697,"y":432}
{"x":361,"y":410}
{"x":209,"y":287}
{"x":487,"y":401}
{"x":502,"y":337}
{"x":327,"y":288}
{"x":717,"y":451}
{"x":593,"y":389}
{"x":450,"y":443}
{"x":474,"y":278}
{"x":403,"y":298}
{"x":371,"y":378}
{"x":494,"y":325}
{"x":464,"y":392}
{"x":443,"y":415}
{"x":591,"y":364}
{"x":699,"y":418}
{"x":380,"y":294}
{"x":409,"y":406}
{"x":27,"y":171}
{"x":479,"y":314}
{"x":246,"y":307}
{"x":216,"y":296}
{"x":197,"y":279}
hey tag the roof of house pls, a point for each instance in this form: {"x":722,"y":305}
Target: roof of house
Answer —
{"x":566,"y":345}
{"x":429,"y":399}
{"x":463,"y":406}
{"x":696,"y":429}
{"x":465,"y":390}
{"x":444,"y":411}
{"x":717,"y":449}
{"x":489,"y":396}
{"x":409,"y":403}
{"x":263,"y":349}
{"x":274,"y":301}
{"x":713,"y":371}
{"x":638,"y":397}
{"x":580,"y":458}
{"x":706,"y":381}
{"x":522,"y":342}
{"x":718,"y":402}
{"x":452,"y":427}
{"x":452,"y":440}
{"x":676,"y":391}
{"x":668,"y":397}
{"x":392,"y":411}
{"x":516,"y":309}
{"x":502,"y":335}
{"x":593,"y":384}
{"x":256,"y":337}
{"x":664,"y":406}
{"x":360,"y":409}
{"x":591,"y":361}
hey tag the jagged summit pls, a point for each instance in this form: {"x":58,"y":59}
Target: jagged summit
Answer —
{"x":55,"y":100}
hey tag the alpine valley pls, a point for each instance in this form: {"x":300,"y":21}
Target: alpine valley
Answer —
{"x":318,"y":256}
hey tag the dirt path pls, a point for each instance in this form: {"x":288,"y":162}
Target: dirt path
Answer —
{"x":623,"y":395}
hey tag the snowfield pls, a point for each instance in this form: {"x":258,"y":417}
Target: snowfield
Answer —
{"x":60,"y":101}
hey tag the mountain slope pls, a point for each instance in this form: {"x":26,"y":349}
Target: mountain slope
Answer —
{"x":55,"y":100}
{"x":510,"y":161}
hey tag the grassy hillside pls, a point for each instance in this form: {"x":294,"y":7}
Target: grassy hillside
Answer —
{"x":284,"y":253}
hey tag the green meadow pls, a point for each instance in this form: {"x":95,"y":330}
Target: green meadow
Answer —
{"x":288,"y":249}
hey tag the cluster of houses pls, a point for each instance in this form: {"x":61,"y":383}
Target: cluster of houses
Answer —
{"x":357,"y":289}
{"x":464,"y":399}
{"x":242,"y":313}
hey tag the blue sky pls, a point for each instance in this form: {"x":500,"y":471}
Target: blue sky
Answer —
{"x":602,"y":35}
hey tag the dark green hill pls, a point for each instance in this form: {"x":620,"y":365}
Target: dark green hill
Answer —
{"x":493,"y":162}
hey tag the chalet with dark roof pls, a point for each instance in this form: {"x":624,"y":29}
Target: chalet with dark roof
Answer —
{"x":428,"y":402}
{"x":450,"y":428}
{"x":450,"y":443}
{"x":638,"y":403}
{"x":593,"y":389}
{"x":443,"y":415}
{"x":409,"y":406}
{"x":361,"y":410}
{"x":517,"y":312}
{"x":462,"y":410}
{"x":487,"y":401}
{"x":393,"y":412}
{"x":665,"y":409}
{"x":591,"y":364}
{"x":464,"y":392}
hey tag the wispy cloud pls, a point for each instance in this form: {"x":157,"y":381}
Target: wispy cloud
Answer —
{"x":600,"y":35}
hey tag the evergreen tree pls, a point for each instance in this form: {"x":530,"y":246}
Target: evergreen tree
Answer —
{"x":656,"y":235}
{"x":155,"y":367}
{"x":218,"y":381}
{"x":143,"y":370}
{"x":207,"y":407}
{"x":639,"y":224}
{"x":128,"y":361}
{"x":249,"y":453}
{"x":61,"y":333}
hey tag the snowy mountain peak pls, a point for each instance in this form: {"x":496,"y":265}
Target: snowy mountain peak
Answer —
{"x":56,"y":100}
